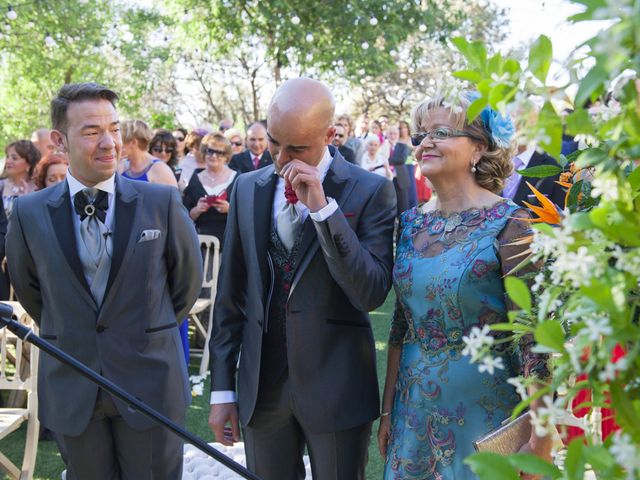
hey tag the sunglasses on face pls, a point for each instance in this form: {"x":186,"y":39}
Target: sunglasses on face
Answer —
{"x":339,"y":135}
{"x":236,"y":144}
{"x":179,"y":139}
{"x":161,"y":149}
{"x":209,"y":152}
{"x":440,"y":134}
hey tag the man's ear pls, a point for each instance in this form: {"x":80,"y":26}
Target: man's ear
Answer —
{"x":59,"y":140}
{"x":331,"y":131}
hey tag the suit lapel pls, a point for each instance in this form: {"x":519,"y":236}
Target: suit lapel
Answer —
{"x":264,"y":188}
{"x":125,"y":213}
{"x":62,"y":223}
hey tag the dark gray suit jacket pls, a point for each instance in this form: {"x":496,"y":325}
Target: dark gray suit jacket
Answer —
{"x":133,"y":339}
{"x":547,"y":186}
{"x":243,"y":162}
{"x":344,"y":272}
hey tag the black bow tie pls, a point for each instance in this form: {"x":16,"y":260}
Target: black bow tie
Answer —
{"x":87,"y":208}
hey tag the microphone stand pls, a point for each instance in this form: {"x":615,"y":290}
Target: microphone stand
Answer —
{"x":27,"y":335}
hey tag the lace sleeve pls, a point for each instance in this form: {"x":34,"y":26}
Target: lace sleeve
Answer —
{"x":513,"y":243}
{"x":399,"y":325}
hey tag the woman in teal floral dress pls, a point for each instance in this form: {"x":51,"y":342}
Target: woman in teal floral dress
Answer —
{"x":452,"y":255}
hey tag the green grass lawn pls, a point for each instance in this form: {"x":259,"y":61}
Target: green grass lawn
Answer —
{"x":49,"y":464}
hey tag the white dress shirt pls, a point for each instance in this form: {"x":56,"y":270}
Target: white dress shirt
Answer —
{"x":108,"y":186}
{"x":520,"y":162}
{"x":228,"y":396}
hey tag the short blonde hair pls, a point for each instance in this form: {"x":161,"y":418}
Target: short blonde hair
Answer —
{"x":233,"y":132}
{"x":495,"y":165}
{"x":136,"y":130}
{"x":216,"y":138}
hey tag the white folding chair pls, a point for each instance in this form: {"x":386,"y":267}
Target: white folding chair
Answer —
{"x":19,"y":371}
{"x":210,"y":246}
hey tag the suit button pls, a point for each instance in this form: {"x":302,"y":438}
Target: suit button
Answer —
{"x":100,"y":328}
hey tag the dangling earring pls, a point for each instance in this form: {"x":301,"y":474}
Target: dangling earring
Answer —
{"x":473,"y":168}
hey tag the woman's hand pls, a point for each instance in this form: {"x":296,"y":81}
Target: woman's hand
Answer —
{"x":384,"y":433}
{"x":540,"y":447}
{"x":201,"y":207}
{"x":222,"y":206}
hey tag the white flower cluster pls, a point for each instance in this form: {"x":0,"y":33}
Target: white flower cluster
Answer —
{"x":544,"y":299}
{"x":197,"y":384}
{"x":626,"y":453}
{"x":520,"y":387}
{"x":606,"y":186}
{"x":627,"y":260}
{"x":586,"y":141}
{"x":611,"y":370}
{"x":544,"y":419}
{"x":596,"y":327}
{"x":477,"y":346}
{"x":576,"y":268}
{"x":546,"y":244}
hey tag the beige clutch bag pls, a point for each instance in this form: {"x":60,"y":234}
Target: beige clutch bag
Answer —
{"x":507,"y":438}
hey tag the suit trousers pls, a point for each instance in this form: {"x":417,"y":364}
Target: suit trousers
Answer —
{"x":275,"y":442}
{"x":109,"y":449}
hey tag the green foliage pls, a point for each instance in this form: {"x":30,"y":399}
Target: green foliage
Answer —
{"x":586,"y":299}
{"x":540,"y":171}
{"x":97,"y":41}
{"x":492,"y":465}
{"x":518,"y":292}
{"x":550,"y":334}
{"x":540,"y":56}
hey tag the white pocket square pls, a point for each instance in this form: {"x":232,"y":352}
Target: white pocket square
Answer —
{"x":148,"y":235}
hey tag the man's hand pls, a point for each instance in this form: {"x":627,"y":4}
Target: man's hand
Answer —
{"x":221,"y":414}
{"x":305,"y":181}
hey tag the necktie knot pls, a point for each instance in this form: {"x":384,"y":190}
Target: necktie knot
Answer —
{"x":290,"y":195}
{"x":91,"y":202}
{"x":256,"y":162}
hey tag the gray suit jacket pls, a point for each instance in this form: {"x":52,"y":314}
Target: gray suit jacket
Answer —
{"x":133,"y":339}
{"x":344,"y":272}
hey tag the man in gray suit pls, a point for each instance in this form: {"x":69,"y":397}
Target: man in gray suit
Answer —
{"x":308,"y":252}
{"x":107,"y":268}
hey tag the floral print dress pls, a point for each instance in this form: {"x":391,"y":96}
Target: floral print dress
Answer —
{"x":448,"y":278}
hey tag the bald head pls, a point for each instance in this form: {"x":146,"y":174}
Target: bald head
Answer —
{"x":300,"y":121}
{"x":42,"y":140}
{"x":303,"y":100}
{"x":256,"y":139}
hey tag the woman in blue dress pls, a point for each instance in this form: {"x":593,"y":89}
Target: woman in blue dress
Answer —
{"x":452,"y":255}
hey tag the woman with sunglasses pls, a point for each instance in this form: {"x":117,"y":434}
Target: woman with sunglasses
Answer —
{"x":206,"y":195}
{"x":165,"y":147}
{"x":237,"y":142}
{"x":451,"y":258}
{"x":138,"y":163}
{"x":180,"y":135}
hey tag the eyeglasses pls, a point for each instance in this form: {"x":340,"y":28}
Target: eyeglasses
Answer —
{"x":339,"y":135}
{"x":161,"y":149}
{"x":439,"y":134}
{"x":179,"y":139}
{"x":236,"y":144}
{"x":212,"y":151}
